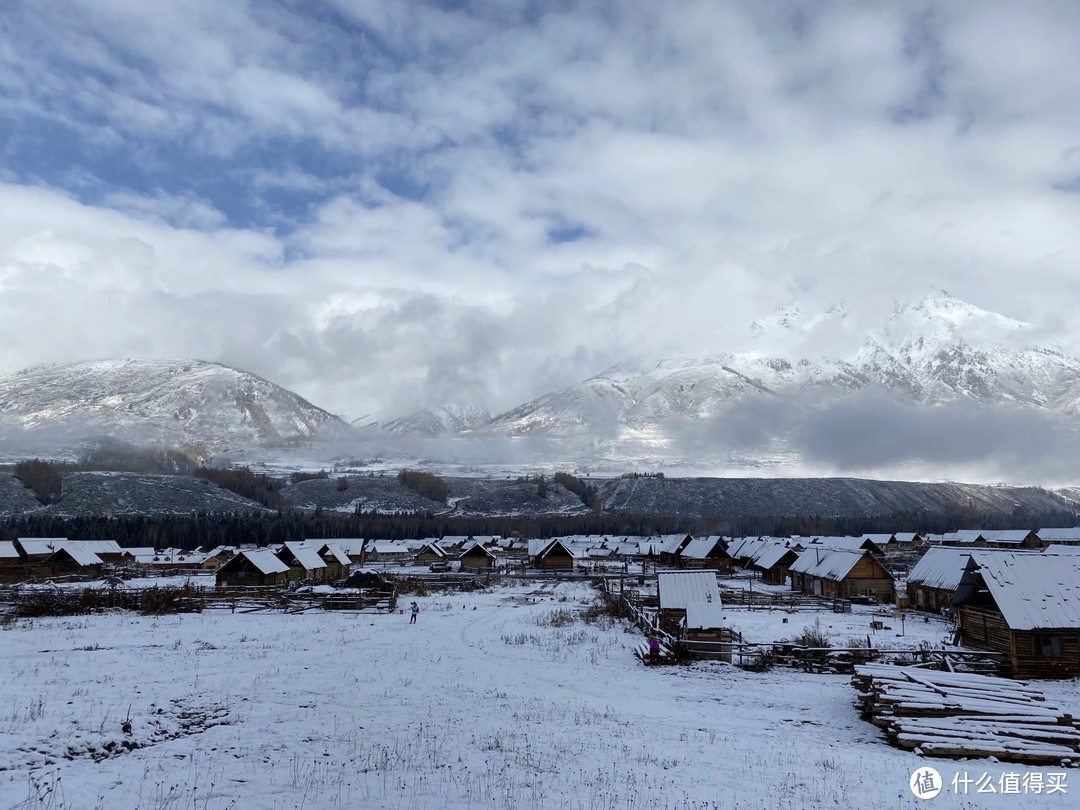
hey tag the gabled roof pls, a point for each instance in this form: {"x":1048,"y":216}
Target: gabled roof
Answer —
{"x":880,"y":539}
{"x":40,"y":546}
{"x":832,"y":564}
{"x":335,"y":551}
{"x":263,"y":559}
{"x":98,"y":546}
{"x":307,"y":557}
{"x":669,"y":543}
{"x":940,"y":567}
{"x":678,"y":589}
{"x":80,"y":555}
{"x":1032,"y":591}
{"x":701,"y":547}
{"x":906,"y":537}
{"x":351,"y":545}
{"x":844,"y":543}
{"x":139,"y":551}
{"x":1052,"y":535}
{"x":8,"y":550}
{"x":770,"y":555}
{"x":474,"y":549}
{"x":1016,"y":536}
{"x":1059,"y":549}
{"x":432,"y":547}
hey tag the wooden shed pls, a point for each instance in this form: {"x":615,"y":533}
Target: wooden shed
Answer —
{"x":839,"y":573}
{"x":1026,"y":606}
{"x":477,"y":558}
{"x":253,"y":567}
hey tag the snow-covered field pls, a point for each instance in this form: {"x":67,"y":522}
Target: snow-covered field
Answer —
{"x":483,"y":703}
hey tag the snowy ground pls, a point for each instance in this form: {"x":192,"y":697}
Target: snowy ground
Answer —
{"x":482,"y":704}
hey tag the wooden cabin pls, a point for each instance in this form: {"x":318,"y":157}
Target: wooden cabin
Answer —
{"x":705,"y":552}
{"x":1013,"y":539}
{"x":1026,"y":606}
{"x":253,"y":567}
{"x":337,"y":561}
{"x":431,"y":552}
{"x":669,"y":546}
{"x":477,"y":558}
{"x":554,"y":556}
{"x":305,"y":564}
{"x":774,"y":563}
{"x":840,"y":573}
{"x":72,"y":560}
{"x":933,"y":580}
{"x":35,"y":550}
{"x":1060,"y":537}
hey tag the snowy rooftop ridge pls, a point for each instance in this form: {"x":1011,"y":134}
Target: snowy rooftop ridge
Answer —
{"x":1032,"y":591}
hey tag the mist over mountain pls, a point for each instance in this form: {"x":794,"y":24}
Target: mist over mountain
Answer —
{"x":935,"y":389}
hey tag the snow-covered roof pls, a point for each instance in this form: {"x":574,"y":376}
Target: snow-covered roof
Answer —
{"x":669,"y":543}
{"x":477,"y":548}
{"x":833,"y":564}
{"x":940,"y":567}
{"x":905,"y":537}
{"x":81,"y":556}
{"x":265,"y":560}
{"x":351,"y":545}
{"x":306,"y":556}
{"x":7,"y":550}
{"x":1055,"y":548}
{"x":679,"y":588}
{"x":1032,"y":591}
{"x":97,"y":546}
{"x":880,"y":539}
{"x":1052,"y":535}
{"x":700,"y":547}
{"x":843,"y":543}
{"x":139,"y":551}
{"x":704,"y":615}
{"x":41,"y":546}
{"x":335,"y":551}
{"x":388,"y":547}
{"x":1016,"y":536}
{"x":770,"y":555}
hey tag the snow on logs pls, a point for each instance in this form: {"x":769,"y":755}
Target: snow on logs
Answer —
{"x":949,"y":714}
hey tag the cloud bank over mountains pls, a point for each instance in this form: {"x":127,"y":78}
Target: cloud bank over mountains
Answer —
{"x":392,"y":206}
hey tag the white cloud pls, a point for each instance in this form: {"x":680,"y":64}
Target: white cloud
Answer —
{"x":714,"y":159}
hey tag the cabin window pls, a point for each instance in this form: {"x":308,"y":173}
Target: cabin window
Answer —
{"x":1047,"y":646}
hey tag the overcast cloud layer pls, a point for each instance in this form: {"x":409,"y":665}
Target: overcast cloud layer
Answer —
{"x":386,"y":205}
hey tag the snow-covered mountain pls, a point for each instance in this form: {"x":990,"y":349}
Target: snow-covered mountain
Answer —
{"x":449,"y":418}
{"x":930,"y":352}
{"x":175,"y":402}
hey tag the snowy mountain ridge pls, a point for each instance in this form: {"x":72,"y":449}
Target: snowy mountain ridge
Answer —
{"x":173,"y":402}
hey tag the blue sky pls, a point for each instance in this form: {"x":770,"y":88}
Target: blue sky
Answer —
{"x":386,"y":205}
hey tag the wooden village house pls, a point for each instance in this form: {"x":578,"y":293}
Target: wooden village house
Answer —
{"x":705,"y":552}
{"x":477,"y":557}
{"x":1026,"y":606}
{"x":71,"y":560}
{"x":552,"y":555}
{"x":337,"y":561}
{"x":305,"y":564}
{"x":11,"y":565}
{"x":431,"y":552}
{"x":253,"y":567}
{"x":773,"y":561}
{"x":839,"y":573}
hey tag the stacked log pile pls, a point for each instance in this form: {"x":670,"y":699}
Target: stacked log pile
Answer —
{"x":949,"y":714}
